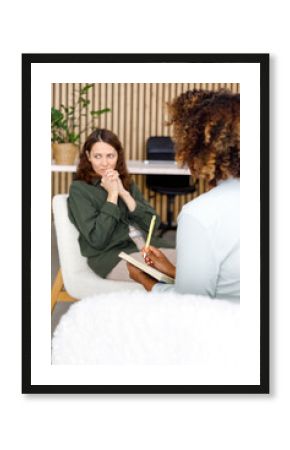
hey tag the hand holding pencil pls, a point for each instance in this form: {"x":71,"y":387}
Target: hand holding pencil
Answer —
{"x":155,"y":258}
{"x":150,"y":232}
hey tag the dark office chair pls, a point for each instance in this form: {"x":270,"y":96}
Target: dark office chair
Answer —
{"x":162,"y":148}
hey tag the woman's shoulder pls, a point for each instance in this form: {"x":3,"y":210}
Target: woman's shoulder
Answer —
{"x":77,"y":185}
{"x":80,"y":186}
{"x":224,"y":198}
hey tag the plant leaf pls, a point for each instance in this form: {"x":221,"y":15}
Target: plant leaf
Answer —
{"x":86,"y":88}
{"x":65,"y":119}
{"x":99,"y":112}
{"x":86,"y":103}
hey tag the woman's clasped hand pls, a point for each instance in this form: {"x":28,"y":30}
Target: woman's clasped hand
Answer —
{"x":111,"y":182}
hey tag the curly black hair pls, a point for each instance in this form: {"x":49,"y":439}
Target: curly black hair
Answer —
{"x":206,"y":128}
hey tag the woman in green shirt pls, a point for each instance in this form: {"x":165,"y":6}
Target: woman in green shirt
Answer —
{"x":106,"y":206}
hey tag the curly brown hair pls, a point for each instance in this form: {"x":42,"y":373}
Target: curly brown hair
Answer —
{"x":85,"y":171}
{"x":206,"y":128}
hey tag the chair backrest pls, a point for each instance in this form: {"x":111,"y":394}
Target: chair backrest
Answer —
{"x":67,"y":237}
{"x":162,"y":148}
{"x":79,"y":280}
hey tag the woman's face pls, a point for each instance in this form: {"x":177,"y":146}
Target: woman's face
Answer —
{"x":102,"y":157}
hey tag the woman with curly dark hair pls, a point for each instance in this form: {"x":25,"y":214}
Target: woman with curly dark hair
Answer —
{"x":106,"y":206}
{"x":206,"y":128}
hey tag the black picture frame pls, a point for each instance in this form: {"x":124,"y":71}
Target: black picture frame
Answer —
{"x":263,"y":61}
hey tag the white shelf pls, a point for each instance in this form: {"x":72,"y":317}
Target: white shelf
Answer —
{"x":138,"y":168}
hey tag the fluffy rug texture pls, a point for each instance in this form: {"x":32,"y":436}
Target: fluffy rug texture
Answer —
{"x":141,"y":328}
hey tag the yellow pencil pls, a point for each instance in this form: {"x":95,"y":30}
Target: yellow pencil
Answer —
{"x":151,"y":228}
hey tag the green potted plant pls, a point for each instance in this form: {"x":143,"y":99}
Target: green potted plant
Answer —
{"x":65,"y":127}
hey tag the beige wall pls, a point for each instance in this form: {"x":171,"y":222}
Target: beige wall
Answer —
{"x":138,"y":111}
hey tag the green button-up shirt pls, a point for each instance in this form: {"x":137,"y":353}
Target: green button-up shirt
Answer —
{"x":104,"y":226}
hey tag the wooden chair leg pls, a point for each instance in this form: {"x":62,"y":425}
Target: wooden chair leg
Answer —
{"x":57,"y":292}
{"x":56,"y":289}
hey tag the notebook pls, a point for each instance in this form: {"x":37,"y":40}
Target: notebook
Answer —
{"x":150,"y":270}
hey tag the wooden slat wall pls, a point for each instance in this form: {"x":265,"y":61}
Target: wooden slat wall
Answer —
{"x":138,"y":110}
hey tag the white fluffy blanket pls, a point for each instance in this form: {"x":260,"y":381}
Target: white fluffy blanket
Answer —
{"x":135,"y":327}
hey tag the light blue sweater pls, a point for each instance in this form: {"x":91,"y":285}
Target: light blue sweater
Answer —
{"x":208,"y":244}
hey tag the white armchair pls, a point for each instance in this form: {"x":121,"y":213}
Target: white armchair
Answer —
{"x":153,"y":328}
{"x":75,"y":279}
